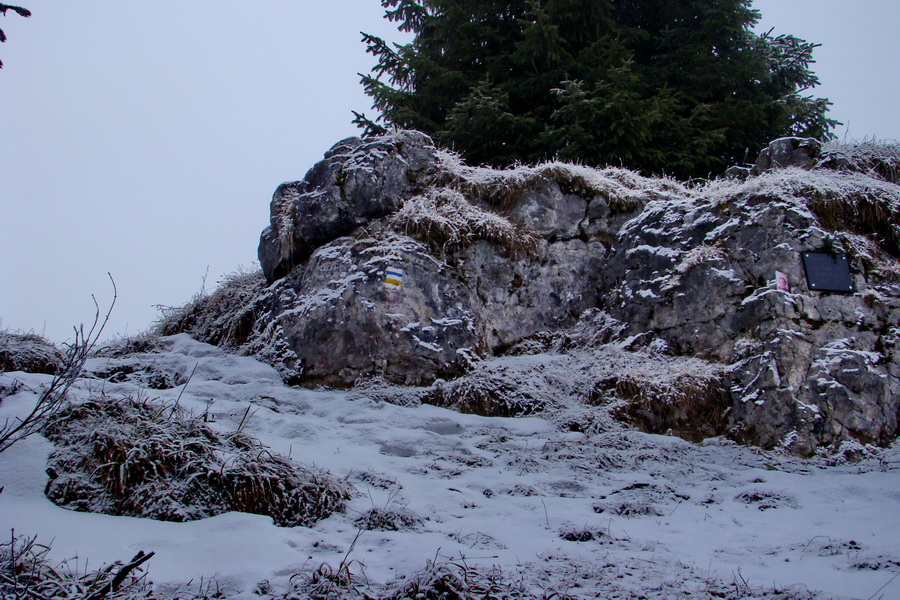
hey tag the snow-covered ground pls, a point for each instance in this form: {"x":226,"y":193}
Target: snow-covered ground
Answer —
{"x":617,"y":513}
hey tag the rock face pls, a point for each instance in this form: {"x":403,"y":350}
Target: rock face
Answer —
{"x":487,"y":258}
{"x":806,"y":368}
{"x":393,"y":260}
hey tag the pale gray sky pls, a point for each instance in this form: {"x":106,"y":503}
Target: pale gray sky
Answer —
{"x":145,"y":139}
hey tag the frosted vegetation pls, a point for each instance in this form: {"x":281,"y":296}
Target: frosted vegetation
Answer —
{"x":444,"y":219}
{"x":143,"y":459}
{"x":624,"y":188}
{"x":849,"y":201}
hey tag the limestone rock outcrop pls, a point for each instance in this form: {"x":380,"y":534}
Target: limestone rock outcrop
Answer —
{"x":393,"y":260}
{"x":806,"y":368}
{"x":487,"y":258}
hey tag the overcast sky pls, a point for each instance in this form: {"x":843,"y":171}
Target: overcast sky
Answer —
{"x":145,"y":139}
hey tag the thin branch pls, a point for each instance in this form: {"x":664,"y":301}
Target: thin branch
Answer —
{"x":139,"y":559}
{"x":52,"y":398}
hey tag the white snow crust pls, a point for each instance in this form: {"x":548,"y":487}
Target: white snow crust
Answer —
{"x":663,"y":514}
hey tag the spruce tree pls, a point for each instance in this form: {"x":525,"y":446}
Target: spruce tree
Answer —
{"x":683,"y":87}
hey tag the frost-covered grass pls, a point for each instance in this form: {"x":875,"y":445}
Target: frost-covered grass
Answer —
{"x":445,"y":218}
{"x":223,"y":317}
{"x":512,"y":388}
{"x":624,"y":189}
{"x":145,"y":459}
{"x":843,"y":201}
{"x":873,"y":157}
{"x":28,"y":352}
{"x":27,"y":573}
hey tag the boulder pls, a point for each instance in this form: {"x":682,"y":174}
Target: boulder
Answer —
{"x":358,"y":181}
{"x":788,"y":152}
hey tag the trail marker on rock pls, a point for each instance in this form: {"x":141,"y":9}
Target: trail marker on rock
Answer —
{"x":393,"y":278}
{"x":782,"y":282}
{"x":826,"y":272}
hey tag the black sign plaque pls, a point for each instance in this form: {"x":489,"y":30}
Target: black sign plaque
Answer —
{"x":827,"y":272}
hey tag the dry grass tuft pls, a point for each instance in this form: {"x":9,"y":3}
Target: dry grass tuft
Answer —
{"x":624,"y":189}
{"x":498,"y":391}
{"x":700,"y":254}
{"x":124,"y":457}
{"x":386,"y":519}
{"x":683,"y":396}
{"x":224,"y":318}
{"x":874,"y":158}
{"x":445,"y":218}
{"x":30,"y":353}
{"x":144,"y":343}
{"x":456,"y":581}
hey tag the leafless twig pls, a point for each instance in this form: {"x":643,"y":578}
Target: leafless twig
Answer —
{"x":53,"y":398}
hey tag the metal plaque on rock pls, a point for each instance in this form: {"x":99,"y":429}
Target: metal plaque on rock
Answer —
{"x":826,"y":272}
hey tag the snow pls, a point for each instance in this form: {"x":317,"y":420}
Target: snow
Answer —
{"x":486,"y":491}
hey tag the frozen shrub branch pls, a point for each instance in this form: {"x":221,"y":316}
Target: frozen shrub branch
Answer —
{"x":53,"y":397}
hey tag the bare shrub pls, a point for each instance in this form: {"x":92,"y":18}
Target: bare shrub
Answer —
{"x":53,"y":397}
{"x":125,"y":457}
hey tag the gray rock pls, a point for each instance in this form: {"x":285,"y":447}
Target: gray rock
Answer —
{"x":788,"y":152}
{"x":550,"y":213}
{"x":358,"y":181}
{"x":806,"y":369}
{"x":342,"y":323}
{"x":737,"y":172}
